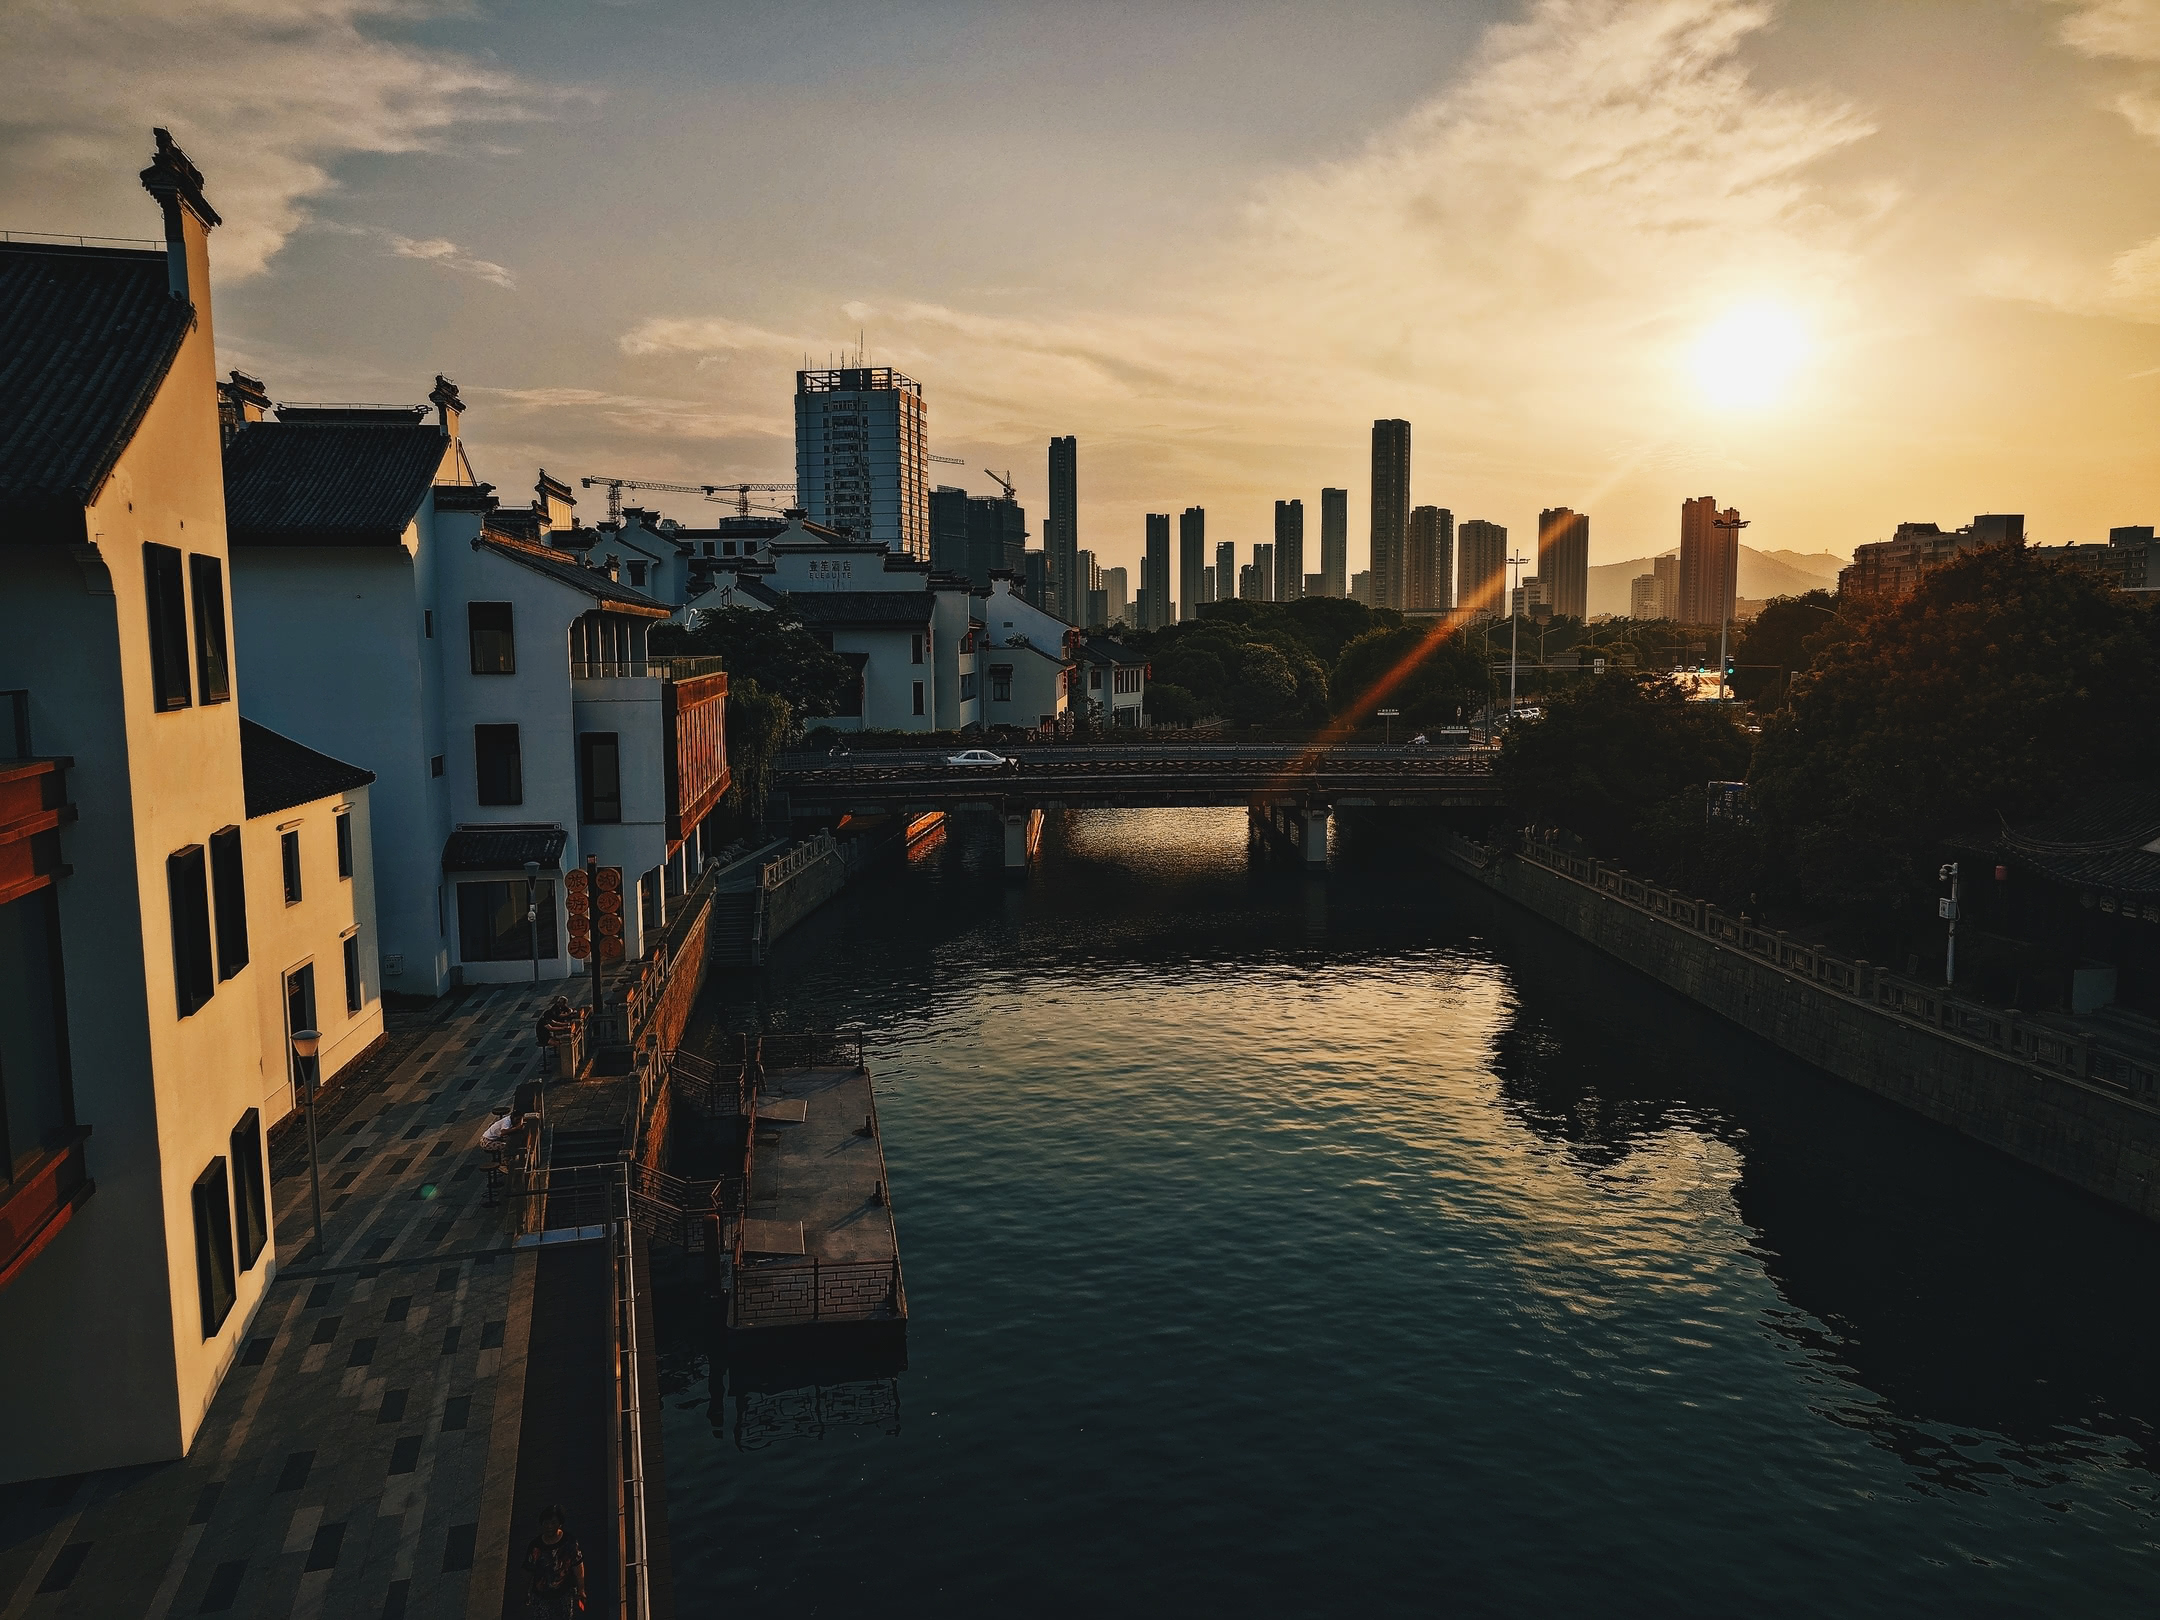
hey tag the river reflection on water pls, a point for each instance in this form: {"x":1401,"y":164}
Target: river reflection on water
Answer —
{"x":1285,"y":1243}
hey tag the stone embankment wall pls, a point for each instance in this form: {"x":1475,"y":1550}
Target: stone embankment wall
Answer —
{"x":797,"y":884}
{"x":2038,"y":1091}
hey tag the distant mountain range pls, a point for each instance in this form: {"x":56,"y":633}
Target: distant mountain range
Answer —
{"x":1762,"y":574}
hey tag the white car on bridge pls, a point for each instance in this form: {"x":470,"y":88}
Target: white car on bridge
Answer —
{"x":977,"y":756}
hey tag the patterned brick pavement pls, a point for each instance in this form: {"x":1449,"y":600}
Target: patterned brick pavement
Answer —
{"x":358,"y":1459}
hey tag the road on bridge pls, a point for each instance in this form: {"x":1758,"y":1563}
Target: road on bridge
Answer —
{"x":1078,"y":777}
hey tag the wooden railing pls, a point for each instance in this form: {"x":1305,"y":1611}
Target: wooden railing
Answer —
{"x":776,"y":872}
{"x":2067,"y":1054}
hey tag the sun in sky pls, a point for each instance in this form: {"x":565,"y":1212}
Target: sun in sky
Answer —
{"x":1747,"y":359}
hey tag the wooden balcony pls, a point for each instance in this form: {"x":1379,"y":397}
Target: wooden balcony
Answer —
{"x":694,"y":712}
{"x":33,"y":808}
{"x":49,"y":1187}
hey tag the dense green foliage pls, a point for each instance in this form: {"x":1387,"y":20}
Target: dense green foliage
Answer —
{"x":2003,"y":685}
{"x":759,"y":725}
{"x":1299,"y":663}
{"x":771,"y":648}
{"x":1618,"y":755}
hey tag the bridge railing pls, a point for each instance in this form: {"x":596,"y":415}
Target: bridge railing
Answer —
{"x":2047,"y":1048}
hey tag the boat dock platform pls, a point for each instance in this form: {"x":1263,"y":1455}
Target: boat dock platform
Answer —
{"x":810,"y":1248}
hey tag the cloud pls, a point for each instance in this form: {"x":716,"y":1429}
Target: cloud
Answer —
{"x":1515,"y":256}
{"x":634,"y":414}
{"x":265,"y":95}
{"x":451,"y":257}
{"x":2121,"y":28}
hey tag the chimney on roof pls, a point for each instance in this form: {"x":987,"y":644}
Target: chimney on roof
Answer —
{"x":449,"y":412}
{"x":178,"y":186}
{"x":239,"y":402}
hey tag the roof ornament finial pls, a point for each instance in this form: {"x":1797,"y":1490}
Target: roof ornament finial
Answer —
{"x":172,"y":178}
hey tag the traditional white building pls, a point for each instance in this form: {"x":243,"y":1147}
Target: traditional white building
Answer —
{"x":495,"y":684}
{"x":135,"y":1211}
{"x":307,"y":855}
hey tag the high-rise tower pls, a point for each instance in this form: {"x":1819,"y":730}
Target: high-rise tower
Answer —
{"x":1335,"y":542}
{"x":1289,"y":550}
{"x":861,"y":455}
{"x":1563,"y":560}
{"x":1061,"y":534}
{"x":1192,"y":561}
{"x":1155,"y":573}
{"x":1481,"y":587}
{"x":1390,"y":509}
{"x":1709,"y":564}
{"x":1429,"y":561}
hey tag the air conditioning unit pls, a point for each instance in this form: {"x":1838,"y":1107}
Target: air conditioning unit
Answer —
{"x":393,"y":964}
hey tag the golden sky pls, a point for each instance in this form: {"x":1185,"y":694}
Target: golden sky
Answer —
{"x":1838,"y":264}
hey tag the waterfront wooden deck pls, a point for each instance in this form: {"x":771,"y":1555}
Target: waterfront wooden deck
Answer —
{"x":817,"y":1247}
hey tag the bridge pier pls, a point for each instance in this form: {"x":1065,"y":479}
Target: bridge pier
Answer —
{"x":1300,"y":829}
{"x":1023,"y":838}
{"x":1316,"y":834}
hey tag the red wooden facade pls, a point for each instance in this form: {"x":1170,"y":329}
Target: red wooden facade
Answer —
{"x":694,"y":711}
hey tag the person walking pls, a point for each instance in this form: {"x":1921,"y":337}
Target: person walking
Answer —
{"x":557,"y":1569}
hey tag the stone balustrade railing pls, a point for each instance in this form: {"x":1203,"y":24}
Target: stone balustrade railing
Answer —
{"x":2044,"y":1047}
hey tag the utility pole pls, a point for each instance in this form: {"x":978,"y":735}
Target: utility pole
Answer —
{"x":1948,"y":910}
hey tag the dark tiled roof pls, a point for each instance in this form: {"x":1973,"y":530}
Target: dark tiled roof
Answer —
{"x":2099,"y":843}
{"x":329,"y":483}
{"x":566,"y":571}
{"x":86,"y":338}
{"x":502,"y":849}
{"x":834,"y":609}
{"x":465,"y":498}
{"x":277,"y":773}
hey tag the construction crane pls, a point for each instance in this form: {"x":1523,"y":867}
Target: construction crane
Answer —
{"x":1004,"y":479}
{"x":739,"y":493}
{"x":950,"y":461}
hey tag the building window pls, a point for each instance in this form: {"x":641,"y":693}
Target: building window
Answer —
{"x":344,"y":843}
{"x":213,"y":1248}
{"x":228,"y":880}
{"x":600,"y":775}
{"x":213,"y":670}
{"x":501,"y":772}
{"x":1095,"y":679}
{"x":299,"y":1015}
{"x":915,"y":651}
{"x":427,"y":623}
{"x":918,"y":697}
{"x":1127,"y":680}
{"x":494,"y":648}
{"x":649,"y":912}
{"x":967,"y":686}
{"x":252,"y":1207}
{"x":36,"y":1105}
{"x":492,"y":926}
{"x":1001,"y":683}
{"x":355,"y":991}
{"x":709,"y":549}
{"x":434,"y":765}
{"x":187,"y":891}
{"x":637,"y":575}
{"x":727,"y":548}
{"x":289,"y":855}
{"x":167,"y":598}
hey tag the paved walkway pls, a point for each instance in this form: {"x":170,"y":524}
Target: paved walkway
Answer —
{"x":358,"y":1460}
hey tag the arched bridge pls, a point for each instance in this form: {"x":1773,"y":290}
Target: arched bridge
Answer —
{"x":1292,"y":789}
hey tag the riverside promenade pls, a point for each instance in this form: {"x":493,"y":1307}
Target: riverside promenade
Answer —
{"x":362,"y":1456}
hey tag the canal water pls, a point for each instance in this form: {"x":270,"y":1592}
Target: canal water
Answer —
{"x":1292,"y":1244}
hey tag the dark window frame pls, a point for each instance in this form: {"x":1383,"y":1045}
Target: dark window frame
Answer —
{"x":289,"y":864}
{"x":591,"y":802}
{"x":228,"y":887}
{"x":502,"y":780}
{"x":213,"y":649}
{"x":499,"y":640}
{"x":919,"y":694}
{"x":251,"y":1204}
{"x":217,"y":1281}
{"x":187,"y":898}
{"x":165,"y":599}
{"x":303,"y":1071}
{"x":491,"y":921}
{"x":343,"y":820}
{"x":355,"y":988}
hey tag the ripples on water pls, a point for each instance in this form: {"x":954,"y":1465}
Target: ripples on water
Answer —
{"x":1288,"y":1244}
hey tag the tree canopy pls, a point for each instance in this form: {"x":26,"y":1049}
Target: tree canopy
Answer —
{"x":771,"y":648}
{"x":1433,"y":679}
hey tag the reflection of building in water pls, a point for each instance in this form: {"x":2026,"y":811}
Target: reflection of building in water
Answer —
{"x":765,"y":1417}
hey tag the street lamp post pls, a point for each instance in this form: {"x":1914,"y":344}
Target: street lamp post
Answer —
{"x":1949,"y":911}
{"x":532,"y":914}
{"x":1518,"y":562}
{"x":1387,"y":717}
{"x":305,"y":1044}
{"x":1732,"y":522}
